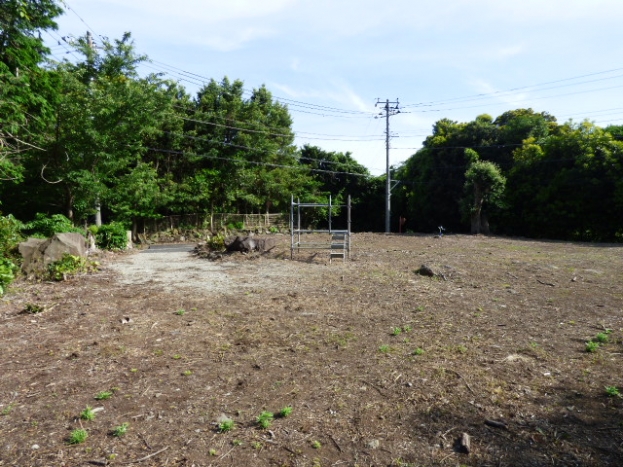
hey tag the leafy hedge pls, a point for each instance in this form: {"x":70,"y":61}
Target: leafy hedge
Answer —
{"x":45,"y":227}
{"x":111,"y":236}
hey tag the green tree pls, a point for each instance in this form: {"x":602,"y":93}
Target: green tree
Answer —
{"x":432,"y":180}
{"x":243,"y":149}
{"x":214,"y":128}
{"x":339,"y":175}
{"x":137,"y":195}
{"x":484,"y":186}
{"x":25,"y":88}
{"x":616,"y":131}
{"x":106,"y":114}
{"x":568,"y":185}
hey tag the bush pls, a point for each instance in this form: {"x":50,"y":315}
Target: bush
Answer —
{"x":9,"y":235}
{"x":44,"y":226}
{"x":235,"y":226}
{"x":216,"y":243}
{"x":69,"y":265}
{"x":7,"y":273}
{"x":111,"y":236}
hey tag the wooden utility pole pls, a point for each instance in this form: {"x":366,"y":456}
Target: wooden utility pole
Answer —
{"x":389,"y":109}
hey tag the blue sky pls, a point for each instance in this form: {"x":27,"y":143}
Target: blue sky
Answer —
{"x":442,"y":59}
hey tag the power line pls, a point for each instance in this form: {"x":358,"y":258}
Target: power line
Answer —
{"x":268,"y":133}
{"x":512,"y":90}
{"x":292,"y":102}
{"x":508,"y":103}
{"x":64,"y":2}
{"x":260,"y":163}
{"x":198,"y":138}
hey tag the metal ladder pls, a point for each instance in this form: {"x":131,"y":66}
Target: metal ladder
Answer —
{"x":339,"y":246}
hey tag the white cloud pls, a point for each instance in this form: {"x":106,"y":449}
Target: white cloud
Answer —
{"x":285,"y":89}
{"x":352,"y":99}
{"x":204,"y":11}
{"x":220,"y":25}
{"x":512,"y":99}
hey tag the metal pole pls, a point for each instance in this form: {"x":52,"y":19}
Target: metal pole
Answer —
{"x":388,"y":181}
{"x":329,"y":213}
{"x":298,"y":218}
{"x":349,"y":223}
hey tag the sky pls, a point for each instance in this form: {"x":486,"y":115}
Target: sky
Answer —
{"x":331,"y":61}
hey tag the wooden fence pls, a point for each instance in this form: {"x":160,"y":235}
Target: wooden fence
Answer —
{"x":214,"y":223}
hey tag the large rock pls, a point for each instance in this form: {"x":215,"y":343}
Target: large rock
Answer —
{"x":246,"y":244}
{"x":28,"y":248}
{"x":39,"y":253}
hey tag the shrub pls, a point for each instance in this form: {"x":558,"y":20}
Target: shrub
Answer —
{"x":216,"y":243}
{"x":591,"y":346}
{"x":69,"y":265}
{"x":44,"y":226}
{"x":10,"y":236}
{"x":613,"y":391}
{"x":120,"y":430}
{"x":235,"y":225}
{"x":7,"y":273}
{"x":78,"y":436}
{"x":111,"y":236}
{"x":265,"y":419}
{"x":226,"y":425}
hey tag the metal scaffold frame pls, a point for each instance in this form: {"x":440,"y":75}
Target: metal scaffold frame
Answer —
{"x":338,"y":242}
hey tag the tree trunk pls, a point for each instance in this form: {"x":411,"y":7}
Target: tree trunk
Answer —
{"x":135,"y":238}
{"x":477,"y":210}
{"x":69,"y":204}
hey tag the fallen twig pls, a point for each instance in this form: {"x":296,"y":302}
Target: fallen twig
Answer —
{"x":146,"y":457}
{"x":496,"y":424}
{"x":339,"y":448}
{"x":464,"y":380}
{"x":546,"y":283}
{"x":145,"y":441}
{"x":380,"y":391}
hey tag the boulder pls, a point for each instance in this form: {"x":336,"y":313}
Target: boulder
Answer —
{"x":243,"y":244}
{"x":39,"y":253}
{"x":27,"y":249}
{"x":246,"y":244}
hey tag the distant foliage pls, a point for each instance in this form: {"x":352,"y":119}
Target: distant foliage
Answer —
{"x":235,"y":225}
{"x":47,"y":226}
{"x":112,"y":236}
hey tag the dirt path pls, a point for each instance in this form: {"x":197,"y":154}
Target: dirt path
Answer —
{"x":173,"y":269}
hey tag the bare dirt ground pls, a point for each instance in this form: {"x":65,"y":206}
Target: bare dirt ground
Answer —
{"x":382,"y":366}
